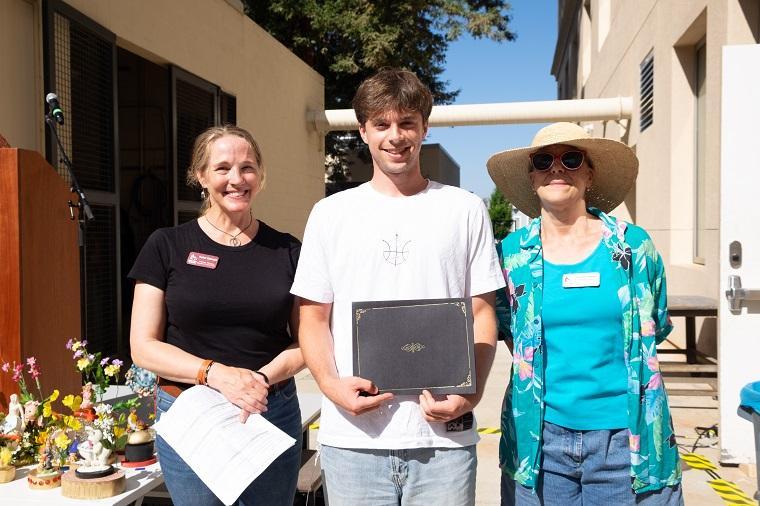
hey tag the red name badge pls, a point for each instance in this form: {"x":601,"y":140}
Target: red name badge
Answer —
{"x":202,"y":260}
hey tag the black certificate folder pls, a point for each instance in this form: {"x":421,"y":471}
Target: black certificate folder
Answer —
{"x":407,"y":346}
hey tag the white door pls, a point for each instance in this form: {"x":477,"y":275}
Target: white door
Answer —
{"x":739,"y":328}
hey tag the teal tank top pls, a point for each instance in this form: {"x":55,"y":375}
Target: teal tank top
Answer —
{"x":585,"y":377}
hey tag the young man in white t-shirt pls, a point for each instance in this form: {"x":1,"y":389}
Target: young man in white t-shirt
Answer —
{"x":398,"y":237}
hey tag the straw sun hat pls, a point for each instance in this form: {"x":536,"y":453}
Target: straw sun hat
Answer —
{"x":615,"y":168}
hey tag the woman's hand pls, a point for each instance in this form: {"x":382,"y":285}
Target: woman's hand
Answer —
{"x":242,"y":387}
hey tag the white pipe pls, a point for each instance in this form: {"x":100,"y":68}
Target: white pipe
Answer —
{"x":590,"y":109}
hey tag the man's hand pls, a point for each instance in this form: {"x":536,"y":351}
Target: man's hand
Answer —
{"x":355,"y":395}
{"x":445,"y":408}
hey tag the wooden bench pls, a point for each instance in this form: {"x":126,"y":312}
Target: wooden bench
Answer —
{"x":689,"y":307}
{"x":692,"y":373}
{"x":675,"y":373}
{"x":309,"y":477}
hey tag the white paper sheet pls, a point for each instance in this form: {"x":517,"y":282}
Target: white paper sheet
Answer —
{"x":204,"y":428}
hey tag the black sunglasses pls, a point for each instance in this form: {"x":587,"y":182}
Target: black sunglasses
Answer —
{"x":571,"y":160}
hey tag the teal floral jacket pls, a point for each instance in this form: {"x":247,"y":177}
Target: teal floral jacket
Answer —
{"x":643,"y":303}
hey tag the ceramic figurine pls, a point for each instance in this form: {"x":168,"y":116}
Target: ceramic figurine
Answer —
{"x":139,"y":447}
{"x":94,"y":455}
{"x":14,"y":422}
{"x":86,"y":409}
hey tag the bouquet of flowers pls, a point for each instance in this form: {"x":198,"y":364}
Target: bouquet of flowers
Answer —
{"x":112,"y":422}
{"x":96,"y":371}
{"x":24,"y":427}
{"x":57,"y":442}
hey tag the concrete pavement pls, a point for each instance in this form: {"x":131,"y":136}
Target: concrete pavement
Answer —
{"x":688,"y":413}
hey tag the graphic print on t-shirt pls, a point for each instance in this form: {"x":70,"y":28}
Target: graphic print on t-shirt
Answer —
{"x":397,"y":252}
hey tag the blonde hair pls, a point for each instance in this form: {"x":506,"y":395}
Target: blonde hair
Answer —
{"x":202,"y":153}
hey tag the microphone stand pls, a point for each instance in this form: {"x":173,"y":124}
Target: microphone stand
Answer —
{"x":84,"y":216}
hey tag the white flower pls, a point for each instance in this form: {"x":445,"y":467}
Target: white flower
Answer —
{"x":103,"y":409}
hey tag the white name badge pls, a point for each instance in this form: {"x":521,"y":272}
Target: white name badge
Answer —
{"x":580,"y":280}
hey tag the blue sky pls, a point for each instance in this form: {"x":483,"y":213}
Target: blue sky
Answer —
{"x":486,"y":72}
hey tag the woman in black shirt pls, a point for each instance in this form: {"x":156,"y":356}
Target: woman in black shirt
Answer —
{"x":212,"y":306}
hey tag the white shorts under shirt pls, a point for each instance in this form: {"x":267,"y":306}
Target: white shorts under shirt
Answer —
{"x":362,"y":245}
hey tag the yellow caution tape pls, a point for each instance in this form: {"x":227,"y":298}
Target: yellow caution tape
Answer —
{"x":727,"y":490}
{"x":481,"y":430}
{"x":731,"y":493}
{"x":697,"y":461}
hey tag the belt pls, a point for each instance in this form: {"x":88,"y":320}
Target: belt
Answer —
{"x":174,"y":388}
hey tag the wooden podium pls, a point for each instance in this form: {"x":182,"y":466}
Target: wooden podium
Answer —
{"x":39,"y":272}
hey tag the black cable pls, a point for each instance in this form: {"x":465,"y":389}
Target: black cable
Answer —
{"x":711,"y":431}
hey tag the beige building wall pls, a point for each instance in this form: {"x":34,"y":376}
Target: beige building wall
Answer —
{"x":21,"y":96}
{"x":601,"y":46}
{"x":212,"y":39}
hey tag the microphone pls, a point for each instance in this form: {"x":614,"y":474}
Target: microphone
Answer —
{"x":55,"y":107}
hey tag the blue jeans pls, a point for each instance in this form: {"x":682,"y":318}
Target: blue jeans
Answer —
{"x":416,"y":476}
{"x":584,"y":467}
{"x":275,"y":486}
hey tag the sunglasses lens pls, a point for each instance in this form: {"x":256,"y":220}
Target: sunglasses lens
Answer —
{"x":542,"y":161}
{"x":572,"y":159}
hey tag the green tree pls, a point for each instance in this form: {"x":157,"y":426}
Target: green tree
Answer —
{"x":346,"y":41}
{"x":500,"y":211}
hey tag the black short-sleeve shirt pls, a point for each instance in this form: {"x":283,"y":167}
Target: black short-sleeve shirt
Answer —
{"x":236,"y":313}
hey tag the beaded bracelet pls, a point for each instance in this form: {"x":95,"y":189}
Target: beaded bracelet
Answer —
{"x":205,"y":373}
{"x":202,"y":377}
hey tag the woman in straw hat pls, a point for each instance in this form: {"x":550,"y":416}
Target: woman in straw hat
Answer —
{"x":585,"y":416}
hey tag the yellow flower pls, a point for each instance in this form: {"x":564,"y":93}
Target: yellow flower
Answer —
{"x":42,"y":437}
{"x":72,"y":422}
{"x":54,"y":395}
{"x":47,"y":410}
{"x":111,"y":370}
{"x":5,"y":456}
{"x":76,"y":345}
{"x":62,"y":441}
{"x":119,"y":431}
{"x":82,"y":363}
{"x":72,"y":402}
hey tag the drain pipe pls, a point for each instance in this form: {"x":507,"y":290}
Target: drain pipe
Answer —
{"x":590,"y":109}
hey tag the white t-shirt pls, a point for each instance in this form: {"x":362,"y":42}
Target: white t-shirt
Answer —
{"x":361,"y":245}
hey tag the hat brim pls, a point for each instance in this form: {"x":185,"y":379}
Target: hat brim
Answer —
{"x":615,"y":169}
